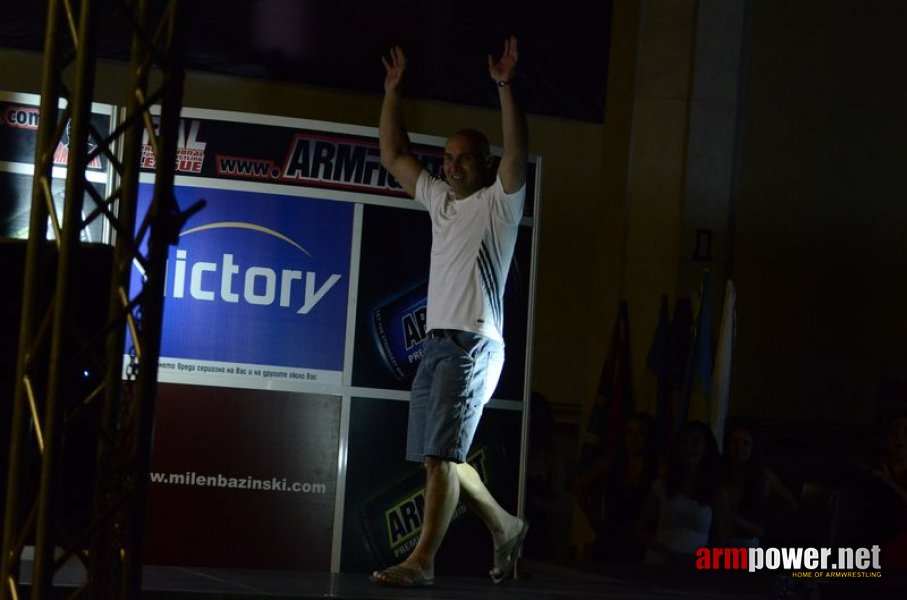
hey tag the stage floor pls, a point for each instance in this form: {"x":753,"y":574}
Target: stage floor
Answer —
{"x":539,"y":581}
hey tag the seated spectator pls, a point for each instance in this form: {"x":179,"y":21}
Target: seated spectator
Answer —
{"x":623,"y":482}
{"x":756,"y":497}
{"x":892,"y":472}
{"x":870,"y":508}
{"x":687,"y":508}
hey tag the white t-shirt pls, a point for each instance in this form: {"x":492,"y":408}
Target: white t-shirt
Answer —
{"x":683,"y":523}
{"x":472,"y":245}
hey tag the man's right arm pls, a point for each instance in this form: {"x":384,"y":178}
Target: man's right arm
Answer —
{"x":393,"y":140}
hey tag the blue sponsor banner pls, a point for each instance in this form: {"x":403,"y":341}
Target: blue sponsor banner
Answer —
{"x":258,"y":279}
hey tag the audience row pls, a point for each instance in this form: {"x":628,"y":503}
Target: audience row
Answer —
{"x":656,"y":505}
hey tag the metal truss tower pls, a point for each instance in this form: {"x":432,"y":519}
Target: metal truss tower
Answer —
{"x":46,"y":401}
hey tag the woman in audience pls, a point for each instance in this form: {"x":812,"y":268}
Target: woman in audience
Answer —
{"x":756,"y":497}
{"x":687,"y":508}
{"x":624,"y":480}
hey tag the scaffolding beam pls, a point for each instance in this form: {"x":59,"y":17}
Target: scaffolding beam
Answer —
{"x":109,"y":546}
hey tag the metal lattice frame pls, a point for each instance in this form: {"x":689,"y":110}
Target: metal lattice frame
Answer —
{"x":110,"y":548}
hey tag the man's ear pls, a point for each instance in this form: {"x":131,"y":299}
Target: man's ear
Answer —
{"x":490,"y":171}
{"x":491,"y":168}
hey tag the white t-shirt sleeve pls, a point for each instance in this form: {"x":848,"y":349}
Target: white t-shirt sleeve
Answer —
{"x":510,"y":208}
{"x":428,"y":190}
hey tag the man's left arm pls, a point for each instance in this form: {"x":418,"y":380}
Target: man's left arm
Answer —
{"x":512,"y":167}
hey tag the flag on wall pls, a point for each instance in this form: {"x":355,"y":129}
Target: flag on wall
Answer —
{"x":613,"y":399}
{"x":721,"y":375}
{"x":699,"y":376}
{"x":654,"y":396}
{"x":612,"y":404}
{"x":680,"y":339}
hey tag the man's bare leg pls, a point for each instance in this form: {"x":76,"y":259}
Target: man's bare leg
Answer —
{"x":500,"y":523}
{"x":504,"y":527}
{"x":442,"y":492}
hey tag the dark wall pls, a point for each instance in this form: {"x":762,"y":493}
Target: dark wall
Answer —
{"x":821,"y":238}
{"x":339,"y":44}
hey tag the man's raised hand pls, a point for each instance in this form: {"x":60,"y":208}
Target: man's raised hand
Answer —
{"x":394,"y":67}
{"x":504,"y":69}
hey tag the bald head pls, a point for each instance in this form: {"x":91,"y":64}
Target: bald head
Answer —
{"x":467,"y":162}
{"x":476,"y":140}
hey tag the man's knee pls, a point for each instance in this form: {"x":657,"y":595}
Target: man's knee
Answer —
{"x":434,"y":464}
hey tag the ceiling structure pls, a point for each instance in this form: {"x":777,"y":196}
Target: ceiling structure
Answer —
{"x":339,"y":43}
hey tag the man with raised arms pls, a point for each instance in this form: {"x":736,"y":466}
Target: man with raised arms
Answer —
{"x":474,"y":230}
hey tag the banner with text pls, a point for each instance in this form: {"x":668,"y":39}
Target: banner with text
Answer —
{"x":256,"y":290}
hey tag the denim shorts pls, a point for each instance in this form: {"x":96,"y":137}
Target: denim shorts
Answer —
{"x":455,"y":379}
